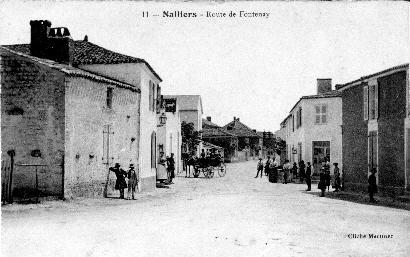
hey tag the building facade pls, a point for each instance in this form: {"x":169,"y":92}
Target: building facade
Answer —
{"x":169,"y":134}
{"x":249,"y":142}
{"x":81,"y":106}
{"x":313,"y":128}
{"x":191,"y":111}
{"x":215,"y":135}
{"x":376,"y":130}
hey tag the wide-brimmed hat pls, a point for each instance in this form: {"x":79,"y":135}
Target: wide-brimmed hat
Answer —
{"x":117,"y":165}
{"x":131,"y":164}
{"x":260,"y":159}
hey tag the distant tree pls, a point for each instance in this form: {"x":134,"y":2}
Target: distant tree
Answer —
{"x":280,"y":145}
{"x":190,"y":137}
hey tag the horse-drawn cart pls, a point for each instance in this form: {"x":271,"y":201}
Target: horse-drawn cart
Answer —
{"x":209,"y":166}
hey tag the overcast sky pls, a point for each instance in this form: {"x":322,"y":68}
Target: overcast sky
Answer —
{"x":252,"y":68}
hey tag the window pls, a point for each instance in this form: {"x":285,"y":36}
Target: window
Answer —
{"x":109,"y":97}
{"x":299,"y":118}
{"x":293,"y":122}
{"x":151,"y":96}
{"x":153,"y":150}
{"x":321,"y":114}
{"x":371,"y":101}
{"x":154,"y":102}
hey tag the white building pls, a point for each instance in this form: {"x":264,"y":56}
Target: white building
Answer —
{"x":191,"y":111}
{"x":313,"y":130}
{"x":169,"y":138}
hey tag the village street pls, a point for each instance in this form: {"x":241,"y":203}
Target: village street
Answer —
{"x":236,"y":215}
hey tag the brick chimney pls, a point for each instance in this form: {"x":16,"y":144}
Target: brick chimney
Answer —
{"x":51,"y":43}
{"x":324,"y":85}
{"x":208,"y":118}
{"x":39,"y":37}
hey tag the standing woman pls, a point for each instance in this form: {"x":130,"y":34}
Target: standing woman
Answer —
{"x":267,"y":166}
{"x":120,"y":184}
{"x":286,"y":169}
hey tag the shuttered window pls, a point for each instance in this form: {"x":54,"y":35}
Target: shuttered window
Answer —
{"x":366,"y":102}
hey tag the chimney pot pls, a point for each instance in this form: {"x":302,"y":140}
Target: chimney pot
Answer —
{"x":85,"y":38}
{"x":208,"y":118}
{"x":324,"y":86}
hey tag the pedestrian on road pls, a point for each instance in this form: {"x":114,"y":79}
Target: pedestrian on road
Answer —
{"x":286,"y":170}
{"x":259,"y":168}
{"x":336,"y":174}
{"x":322,"y":181}
{"x":294,"y":171}
{"x":267,"y":167}
{"x":133,"y":178}
{"x":328,"y":178}
{"x":120,"y":183}
{"x":308,"y":176}
{"x":273,"y":175}
{"x":171,"y":168}
{"x":301,"y":170}
{"x":372,"y":185}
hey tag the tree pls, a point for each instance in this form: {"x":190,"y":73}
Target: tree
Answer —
{"x":190,"y":137}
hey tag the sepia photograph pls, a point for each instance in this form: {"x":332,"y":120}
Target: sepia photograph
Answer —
{"x":208,"y":128}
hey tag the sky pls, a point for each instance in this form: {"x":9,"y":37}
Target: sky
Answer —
{"x":254,"y":68}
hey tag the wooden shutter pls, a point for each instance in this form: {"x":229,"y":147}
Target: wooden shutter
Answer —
{"x":376,"y":101}
{"x":366,"y":102}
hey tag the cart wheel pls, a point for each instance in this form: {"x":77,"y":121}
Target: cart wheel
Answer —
{"x":205,"y":171}
{"x":222,"y":170}
{"x":211,"y":173}
{"x":196,"y":172}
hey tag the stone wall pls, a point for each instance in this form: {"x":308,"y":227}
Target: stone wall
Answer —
{"x":94,"y":132}
{"x":354,"y":139}
{"x":392,"y":114}
{"x":32,"y":118}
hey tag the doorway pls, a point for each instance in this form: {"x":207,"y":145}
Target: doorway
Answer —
{"x":321,"y":149}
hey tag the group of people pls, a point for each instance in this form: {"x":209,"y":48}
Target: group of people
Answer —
{"x":169,"y":164}
{"x":132,"y":175}
{"x":303,"y":172}
{"x":325,"y":178}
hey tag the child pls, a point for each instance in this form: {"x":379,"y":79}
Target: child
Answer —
{"x":259,"y":167}
{"x":133,"y":177}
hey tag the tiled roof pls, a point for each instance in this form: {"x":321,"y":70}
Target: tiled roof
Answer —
{"x":216,"y":132}
{"x":208,"y":124}
{"x":88,"y":53}
{"x":239,"y":129}
{"x":207,"y":144}
{"x":188,"y":102}
{"x":398,"y":67}
{"x":333,"y":93}
{"x":72,"y":71}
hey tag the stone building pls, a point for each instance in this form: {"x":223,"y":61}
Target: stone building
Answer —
{"x":215,"y":135}
{"x":376,"y":129}
{"x":313,"y":130}
{"x":80,"y":107}
{"x":249,"y":142}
